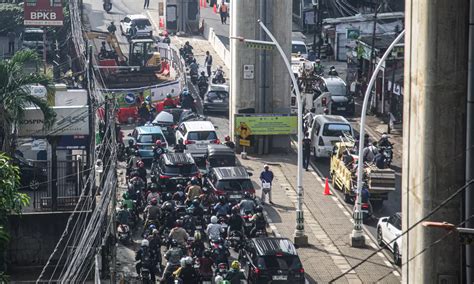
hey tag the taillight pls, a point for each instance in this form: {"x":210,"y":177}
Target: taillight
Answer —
{"x":278,"y":254}
{"x":219,"y":192}
{"x":301,"y":270}
{"x":164,"y":177}
{"x":216,"y":141}
{"x":187,"y":142}
{"x":324,"y":101}
{"x":321,"y":142}
{"x":257,"y":271}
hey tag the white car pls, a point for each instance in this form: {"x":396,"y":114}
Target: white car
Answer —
{"x":144,"y":28}
{"x":389,"y":228}
{"x":201,"y":133}
{"x":325,"y":131}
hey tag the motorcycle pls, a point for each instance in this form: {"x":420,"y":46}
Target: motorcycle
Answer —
{"x":388,"y":154}
{"x":235,"y":240}
{"x":220,"y":272}
{"x":248,"y":224}
{"x":123,"y":234}
{"x":145,"y":275}
{"x":194,"y":76}
{"x":218,"y":77}
{"x":107,"y":5}
{"x":366,"y":212}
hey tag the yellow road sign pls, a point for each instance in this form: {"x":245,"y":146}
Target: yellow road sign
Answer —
{"x":244,"y":142}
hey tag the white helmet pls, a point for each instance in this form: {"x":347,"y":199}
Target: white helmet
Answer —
{"x":384,"y":136}
{"x":183,"y":261}
{"x":188,"y":260}
{"x":214,"y":219}
{"x":145,"y":243}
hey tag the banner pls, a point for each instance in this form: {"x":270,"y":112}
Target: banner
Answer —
{"x":265,"y":124}
{"x":43,"y":13}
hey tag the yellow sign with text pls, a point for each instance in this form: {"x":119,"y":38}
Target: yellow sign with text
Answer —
{"x":265,"y":124}
{"x":244,"y":142}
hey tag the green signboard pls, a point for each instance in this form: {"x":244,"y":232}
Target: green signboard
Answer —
{"x":265,"y":124}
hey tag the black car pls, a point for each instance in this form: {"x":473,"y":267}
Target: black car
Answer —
{"x":272,"y":260}
{"x":341,"y":101}
{"x":32,"y":177}
{"x":173,"y":169}
{"x":219,"y":155}
{"x":230,"y":182}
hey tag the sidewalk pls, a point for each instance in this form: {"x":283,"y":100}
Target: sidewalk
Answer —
{"x":327,"y":226}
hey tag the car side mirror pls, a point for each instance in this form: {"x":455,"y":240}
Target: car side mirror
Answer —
{"x":250,"y":174}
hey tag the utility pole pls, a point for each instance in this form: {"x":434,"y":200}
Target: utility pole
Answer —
{"x":113,"y":140}
{"x":434,"y":145}
{"x":374,"y":30}
{"x":53,"y":141}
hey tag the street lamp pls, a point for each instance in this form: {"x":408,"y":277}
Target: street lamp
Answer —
{"x":357,"y":236}
{"x":300,"y":237}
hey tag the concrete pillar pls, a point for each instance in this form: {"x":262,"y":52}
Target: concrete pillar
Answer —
{"x":245,"y":93}
{"x":434,"y":131}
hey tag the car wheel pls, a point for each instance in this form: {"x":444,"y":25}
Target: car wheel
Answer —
{"x":34,"y":184}
{"x":314,"y":153}
{"x":396,"y":255}
{"x":380,"y":237}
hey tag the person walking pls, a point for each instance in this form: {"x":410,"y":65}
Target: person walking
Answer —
{"x":223,"y":12}
{"x":11,"y":42}
{"x":266,"y":177}
{"x":146,"y":4}
{"x":306,"y":150}
{"x":208,"y":63}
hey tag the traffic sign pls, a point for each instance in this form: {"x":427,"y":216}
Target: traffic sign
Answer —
{"x":130,"y":98}
{"x":244,"y":142}
{"x":263,"y":46}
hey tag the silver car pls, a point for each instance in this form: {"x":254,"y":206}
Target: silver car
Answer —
{"x":216,"y":98}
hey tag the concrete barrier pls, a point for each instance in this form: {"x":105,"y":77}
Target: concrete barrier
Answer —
{"x":217,"y":44}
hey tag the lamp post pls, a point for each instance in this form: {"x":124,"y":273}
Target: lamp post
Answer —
{"x":300,"y":237}
{"x":357,"y":236}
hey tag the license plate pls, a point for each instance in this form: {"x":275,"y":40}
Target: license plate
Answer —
{"x":248,"y":224}
{"x":236,"y":238}
{"x":206,"y":282}
{"x":198,"y":227}
{"x":224,"y":226}
{"x":280,"y":277}
{"x":236,"y":196}
{"x":341,"y":108}
{"x":218,"y":101}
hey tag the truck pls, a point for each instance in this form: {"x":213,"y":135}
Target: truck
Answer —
{"x":380,"y":182}
{"x":142,"y":67}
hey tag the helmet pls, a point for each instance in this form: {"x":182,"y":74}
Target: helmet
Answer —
{"x":326,"y":110}
{"x":188,"y":260}
{"x":194,"y":181}
{"x":214,"y":219}
{"x":148,"y":98}
{"x":179,"y":223}
{"x":235,"y":209}
{"x":203,"y":73}
{"x":207,"y":253}
{"x":196,"y":202}
{"x":179,"y":187}
{"x":154,"y":201}
{"x":145,"y":243}
{"x":167,"y":205}
{"x":141,"y":164}
{"x":384,"y":136}
{"x":259,"y":209}
{"x":155,"y":232}
{"x":205,"y":189}
{"x":168,"y":96}
{"x":235,"y":265}
{"x":185,"y":89}
{"x":197,"y":235}
{"x":153,"y":186}
{"x":265,"y":166}
{"x":182,"y":261}
{"x":103,"y":42}
{"x":152,"y":227}
{"x":173,"y":243}
{"x":165,"y":33}
{"x":186,"y":43}
{"x":221,"y":199}
{"x":125,"y":195}
{"x":332,"y":67}
{"x":130,"y":142}
{"x":180,"y":141}
{"x":247,"y":195}
{"x":227,"y":138}
{"x":158,"y":143}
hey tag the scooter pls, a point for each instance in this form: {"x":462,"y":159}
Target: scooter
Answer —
{"x":194,"y":76}
{"x":145,"y":275}
{"x":124,"y":235}
{"x":235,"y":240}
{"x":107,"y":5}
{"x":218,"y":78}
{"x":366,"y":212}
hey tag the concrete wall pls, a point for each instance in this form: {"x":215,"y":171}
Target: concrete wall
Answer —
{"x":217,"y":44}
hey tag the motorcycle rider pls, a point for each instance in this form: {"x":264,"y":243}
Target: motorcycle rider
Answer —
{"x":205,"y":265}
{"x":153,"y":194}
{"x":197,"y":247}
{"x":220,"y":253}
{"x":202,"y":80}
{"x":384,"y":142}
{"x":214,"y":229}
{"x":187,"y":101}
{"x":234,"y":275}
{"x":158,"y":150}
{"x":193,"y":191}
{"x":152,"y":213}
{"x":194,"y":67}
{"x":219,"y":76}
{"x":187,"y":48}
{"x":168,"y":102}
{"x":179,"y":234}
{"x":247,"y":204}
{"x":103,"y":50}
{"x":143,"y":113}
{"x":141,"y":170}
{"x":318,"y":67}
{"x":168,"y":218}
{"x":173,"y":256}
{"x":179,"y":147}
{"x":196,"y":209}
{"x":186,"y":273}
{"x":123,"y":215}
{"x":259,"y":220}
{"x":235,"y":222}
{"x":207,"y":198}
{"x":332,"y":71}
{"x":130,"y":149}
{"x":145,"y":258}
{"x":166,"y":37}
{"x":155,"y":246}
{"x":222,"y":208}
{"x":228,"y":142}
{"x":379,"y":160}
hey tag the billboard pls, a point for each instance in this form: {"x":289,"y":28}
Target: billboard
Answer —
{"x":70,"y":120}
{"x":41,"y":13}
{"x":265,"y":124}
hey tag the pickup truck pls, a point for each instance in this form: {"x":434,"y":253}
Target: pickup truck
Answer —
{"x":380,"y":181}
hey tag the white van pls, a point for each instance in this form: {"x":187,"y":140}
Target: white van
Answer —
{"x":298,"y":46}
{"x":327,"y":130}
{"x":197,"y":132}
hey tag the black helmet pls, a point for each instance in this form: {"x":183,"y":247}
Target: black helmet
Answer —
{"x":130,"y":142}
{"x":203,"y":73}
{"x":235,"y":210}
{"x":179,"y":187}
{"x":207,"y":253}
{"x":196,"y":202}
{"x":247,"y":195}
{"x":167,"y":206}
{"x":173,"y":243}
{"x":222,"y":199}
{"x":259,"y":209}
{"x":186,"y":43}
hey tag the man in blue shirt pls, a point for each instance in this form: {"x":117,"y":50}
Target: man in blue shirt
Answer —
{"x":266,"y":177}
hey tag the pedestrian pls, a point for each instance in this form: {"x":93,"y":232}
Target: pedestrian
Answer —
{"x":266,"y":177}
{"x":223,"y":12}
{"x":208,"y":63}
{"x":306,"y":150}
{"x":146,"y":4}
{"x":11,"y":42}
{"x":370,"y":152}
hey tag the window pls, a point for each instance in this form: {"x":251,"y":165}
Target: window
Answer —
{"x":295,"y":48}
{"x":316,"y":126}
{"x":37,"y":37}
{"x":150,"y":138}
{"x":337,"y":89}
{"x":142,"y":23}
{"x":336,"y":129}
{"x":235,"y":185}
{"x":285,"y":262}
{"x":202,"y":135}
{"x":181,"y":169}
{"x":217,"y":95}
{"x":221,"y":161}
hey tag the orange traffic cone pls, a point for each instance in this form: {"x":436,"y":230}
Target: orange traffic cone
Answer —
{"x":204,"y":3}
{"x":326,"y":188}
{"x":215,"y":9}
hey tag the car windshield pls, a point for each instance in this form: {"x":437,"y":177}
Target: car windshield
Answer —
{"x":284,"y":262}
{"x":337,"y":89}
{"x":217,"y":95}
{"x":142,"y":23}
{"x":222,"y":161}
{"x":181,"y":169}
{"x":235,"y":184}
{"x":33,"y":37}
{"x":336,"y":129}
{"x":202,"y":135}
{"x":150,"y":138}
{"x":295,"y":48}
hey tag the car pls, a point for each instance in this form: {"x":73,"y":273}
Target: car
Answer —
{"x":218,"y":155}
{"x":32,"y":38}
{"x":216,"y":98}
{"x":300,"y":47}
{"x":327,"y":130}
{"x":145,"y":138}
{"x":197,"y":132}
{"x":32,"y":177}
{"x":173,"y":169}
{"x":388,"y":229}
{"x":341,"y":101}
{"x":231,"y":182}
{"x":165,"y":120}
{"x":272,"y":260}
{"x":144,"y":28}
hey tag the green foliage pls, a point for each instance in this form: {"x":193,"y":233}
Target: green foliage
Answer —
{"x":11,"y":17}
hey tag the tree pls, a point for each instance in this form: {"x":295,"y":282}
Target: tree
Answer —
{"x":11,"y":201}
{"x":15,"y":95}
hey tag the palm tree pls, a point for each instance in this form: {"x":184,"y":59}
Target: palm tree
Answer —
{"x":15,"y":95}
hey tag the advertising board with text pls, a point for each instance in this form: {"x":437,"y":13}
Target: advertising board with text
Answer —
{"x":42,"y":13}
{"x":265,"y":124}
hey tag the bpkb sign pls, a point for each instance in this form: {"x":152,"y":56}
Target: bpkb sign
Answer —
{"x":40,"y":13}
